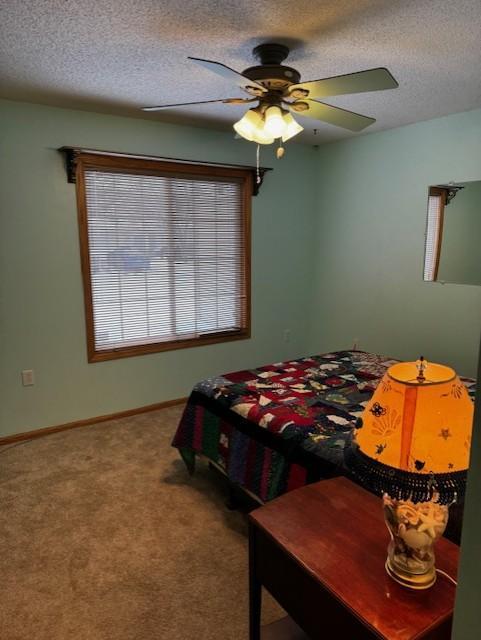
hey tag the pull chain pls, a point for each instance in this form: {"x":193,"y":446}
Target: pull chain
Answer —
{"x":280,"y":150}
{"x":258,"y":173}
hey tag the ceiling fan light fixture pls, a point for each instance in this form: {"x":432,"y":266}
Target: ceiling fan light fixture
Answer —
{"x":292,"y":128}
{"x":276,"y":86}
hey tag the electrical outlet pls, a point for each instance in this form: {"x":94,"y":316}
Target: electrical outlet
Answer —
{"x":287,"y":335}
{"x":28,"y":378}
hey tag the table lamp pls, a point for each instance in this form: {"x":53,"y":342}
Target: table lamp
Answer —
{"x":412,"y":444}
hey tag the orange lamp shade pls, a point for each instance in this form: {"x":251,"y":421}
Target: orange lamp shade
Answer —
{"x":419,"y":425}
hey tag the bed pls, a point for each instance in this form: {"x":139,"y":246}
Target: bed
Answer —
{"x":280,"y":426}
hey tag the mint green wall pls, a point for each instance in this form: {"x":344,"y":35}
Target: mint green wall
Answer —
{"x":42,"y":317}
{"x":370,"y":244}
{"x":467,"y":615}
{"x":460,"y":259}
{"x":338,"y":240}
{"x":358,"y":276}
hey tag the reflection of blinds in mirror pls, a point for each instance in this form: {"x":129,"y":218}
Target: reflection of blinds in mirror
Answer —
{"x":433,"y":233}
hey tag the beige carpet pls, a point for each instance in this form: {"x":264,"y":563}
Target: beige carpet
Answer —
{"x":103,"y":535}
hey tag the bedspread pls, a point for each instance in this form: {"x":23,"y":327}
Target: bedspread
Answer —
{"x":279,"y":426}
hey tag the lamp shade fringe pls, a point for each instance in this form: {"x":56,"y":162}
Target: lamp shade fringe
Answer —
{"x":403,"y":485}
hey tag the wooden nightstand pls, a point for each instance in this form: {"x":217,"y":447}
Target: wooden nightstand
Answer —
{"x":320,"y":551}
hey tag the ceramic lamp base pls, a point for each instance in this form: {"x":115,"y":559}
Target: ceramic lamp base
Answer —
{"x":410,"y":580}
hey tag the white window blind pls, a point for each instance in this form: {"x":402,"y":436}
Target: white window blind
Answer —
{"x":433,"y":234}
{"x":166,"y":257}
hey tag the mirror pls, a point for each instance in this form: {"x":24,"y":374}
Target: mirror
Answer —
{"x":453,"y":234}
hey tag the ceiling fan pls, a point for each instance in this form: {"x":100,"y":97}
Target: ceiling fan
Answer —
{"x":278,"y":90}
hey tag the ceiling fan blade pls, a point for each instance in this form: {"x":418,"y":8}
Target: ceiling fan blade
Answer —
{"x":188,"y":104}
{"x":332,"y":115}
{"x":230,"y":74}
{"x":362,"y":81}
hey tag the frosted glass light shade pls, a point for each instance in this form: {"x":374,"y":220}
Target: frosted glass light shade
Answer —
{"x":292,"y":127}
{"x":251,"y":127}
{"x":247,"y":125}
{"x":419,"y":427}
{"x":275,"y":125}
{"x":261,"y":137}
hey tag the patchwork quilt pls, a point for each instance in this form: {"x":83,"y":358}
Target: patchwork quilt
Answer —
{"x":279,"y":426}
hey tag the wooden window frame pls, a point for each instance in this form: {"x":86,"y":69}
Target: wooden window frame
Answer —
{"x":441,"y":193}
{"x":141,"y":166}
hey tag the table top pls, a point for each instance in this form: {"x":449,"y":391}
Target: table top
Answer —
{"x":335,"y":530}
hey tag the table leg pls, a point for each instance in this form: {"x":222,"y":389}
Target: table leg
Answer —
{"x":255,"y":590}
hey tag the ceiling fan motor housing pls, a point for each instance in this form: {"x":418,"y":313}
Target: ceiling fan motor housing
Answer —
{"x":273,"y":76}
{"x":271,"y":73}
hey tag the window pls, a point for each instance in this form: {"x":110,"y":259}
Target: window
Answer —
{"x":165,"y":251}
{"x":434,"y":232}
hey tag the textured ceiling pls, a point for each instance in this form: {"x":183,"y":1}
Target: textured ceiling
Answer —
{"x":119,"y":55}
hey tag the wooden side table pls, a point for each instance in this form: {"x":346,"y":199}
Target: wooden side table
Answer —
{"x":320,"y":551}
